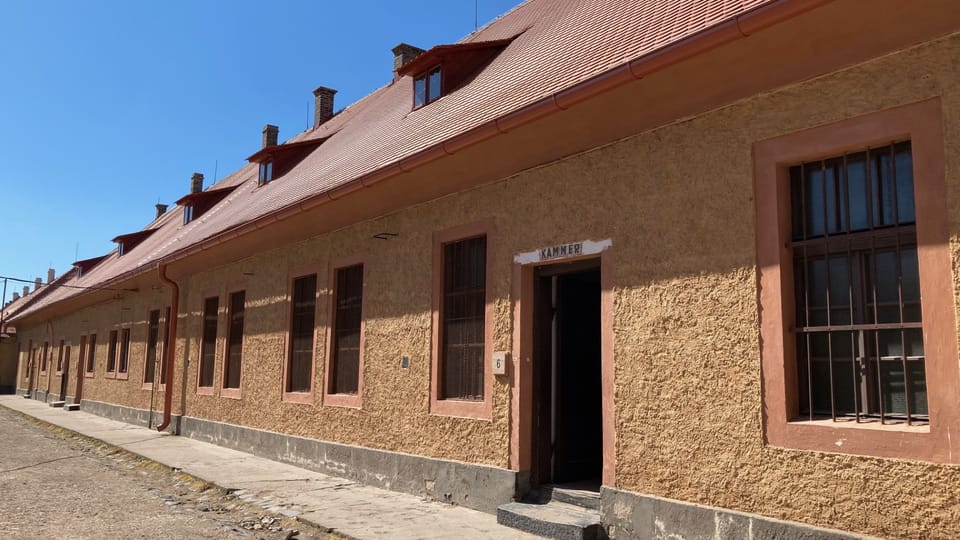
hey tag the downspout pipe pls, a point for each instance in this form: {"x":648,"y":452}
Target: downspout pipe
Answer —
{"x":169,"y":349}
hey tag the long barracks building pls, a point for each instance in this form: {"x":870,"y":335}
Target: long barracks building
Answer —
{"x":698,"y":256}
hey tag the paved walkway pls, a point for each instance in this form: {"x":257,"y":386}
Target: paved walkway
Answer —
{"x":347,"y":507}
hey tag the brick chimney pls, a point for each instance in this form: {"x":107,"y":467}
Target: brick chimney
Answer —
{"x":16,"y":296}
{"x":196,"y":183}
{"x":402,"y":54}
{"x":51,"y":273}
{"x":161,"y":209}
{"x":322,"y":105}
{"x":26,"y":290}
{"x":270,"y":133}
{"x":37,"y":283}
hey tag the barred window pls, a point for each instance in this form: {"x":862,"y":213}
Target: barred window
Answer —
{"x":208,"y":346}
{"x":302,"y":319}
{"x":462,"y":319}
{"x":231,"y":369}
{"x":859,"y":332}
{"x":348,"y":315}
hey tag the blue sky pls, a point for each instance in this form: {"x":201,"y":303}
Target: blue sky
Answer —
{"x":108,"y":107}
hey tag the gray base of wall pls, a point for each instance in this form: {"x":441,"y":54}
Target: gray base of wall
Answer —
{"x":130,"y":415}
{"x":474,"y":486}
{"x":632,"y":515}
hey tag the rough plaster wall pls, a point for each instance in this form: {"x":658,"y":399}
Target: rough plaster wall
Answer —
{"x":687,"y":349}
{"x":677,"y":203}
{"x":129,"y":309}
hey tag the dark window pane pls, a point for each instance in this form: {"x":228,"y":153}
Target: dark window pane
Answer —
{"x":434,"y":86}
{"x":346,"y":332}
{"x":208,"y":348}
{"x":464,"y":285}
{"x":112,"y":352}
{"x":163,"y":356}
{"x":153,"y":340}
{"x":815,"y":209}
{"x":796,"y":201}
{"x":91,"y":353}
{"x":857,"y":190}
{"x":419,"y":91}
{"x":300,"y":356}
{"x":231,"y":376}
{"x":904,"y":172}
{"x":124,"y":349}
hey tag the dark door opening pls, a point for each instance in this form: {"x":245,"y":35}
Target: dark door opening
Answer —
{"x":568,"y":436}
{"x":65,"y":374}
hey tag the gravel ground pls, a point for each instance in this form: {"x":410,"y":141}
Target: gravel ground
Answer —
{"x":56,"y":484}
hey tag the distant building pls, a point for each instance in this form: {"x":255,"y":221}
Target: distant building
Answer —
{"x":702,"y":254}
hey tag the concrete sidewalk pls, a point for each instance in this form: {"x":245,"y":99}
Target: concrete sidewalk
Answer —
{"x":343,"y":505}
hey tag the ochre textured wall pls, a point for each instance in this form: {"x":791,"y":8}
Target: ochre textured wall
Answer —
{"x":677,"y":203}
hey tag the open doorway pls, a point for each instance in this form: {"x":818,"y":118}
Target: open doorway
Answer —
{"x":567,"y":400}
{"x":65,"y":373}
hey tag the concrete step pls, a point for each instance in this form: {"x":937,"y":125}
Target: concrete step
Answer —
{"x":26,"y":395}
{"x":72,"y":407}
{"x":584,"y":498}
{"x":553,"y":520}
{"x":57,"y":404}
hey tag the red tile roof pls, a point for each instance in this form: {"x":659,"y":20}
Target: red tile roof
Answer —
{"x":558,"y":44}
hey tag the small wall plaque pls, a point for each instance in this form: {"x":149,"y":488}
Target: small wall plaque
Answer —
{"x":500,"y":362}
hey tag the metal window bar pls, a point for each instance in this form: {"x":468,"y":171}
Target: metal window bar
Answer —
{"x":880,"y":232}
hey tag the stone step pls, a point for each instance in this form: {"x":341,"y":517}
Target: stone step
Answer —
{"x":72,"y":407}
{"x":584,"y":498}
{"x":57,"y":404}
{"x":553,"y":520}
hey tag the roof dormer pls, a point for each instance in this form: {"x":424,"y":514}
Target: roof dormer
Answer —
{"x":86,"y":265}
{"x":445,"y":68}
{"x":126,"y":242}
{"x":196,"y":204}
{"x":275,"y":160}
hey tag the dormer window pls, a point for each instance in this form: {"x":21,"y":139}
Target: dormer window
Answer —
{"x":266,"y":172}
{"x":445,"y":68}
{"x":427,"y":88}
{"x":196,"y":204}
{"x":187,"y":214}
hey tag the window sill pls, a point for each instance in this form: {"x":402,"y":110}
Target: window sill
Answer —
{"x":870,"y":425}
{"x":302,"y":398}
{"x":110,"y":375}
{"x":865,"y":439}
{"x":230,"y":393}
{"x":204,"y":390}
{"x":123,"y":376}
{"x":353,"y":401}
{"x":477,"y":410}
{"x":89,"y":375}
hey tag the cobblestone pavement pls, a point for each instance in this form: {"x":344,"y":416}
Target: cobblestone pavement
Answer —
{"x":56,"y":484}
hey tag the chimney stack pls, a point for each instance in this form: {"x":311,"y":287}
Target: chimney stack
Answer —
{"x":161,"y":209}
{"x":16,"y":296}
{"x":36,"y":284}
{"x":51,"y":273}
{"x":270,"y":133}
{"x":322,"y":105}
{"x":196,"y":183}
{"x":402,"y":54}
{"x":26,"y":290}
